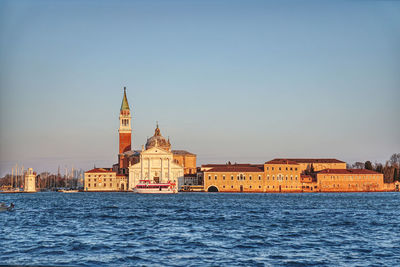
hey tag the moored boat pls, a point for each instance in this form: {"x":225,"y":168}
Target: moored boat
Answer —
{"x":146,"y":187}
{"x":4,"y":207}
{"x":69,"y":191}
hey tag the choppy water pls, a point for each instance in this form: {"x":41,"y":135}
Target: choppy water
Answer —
{"x":201,"y":229}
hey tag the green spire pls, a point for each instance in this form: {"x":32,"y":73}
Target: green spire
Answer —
{"x":124,"y":105}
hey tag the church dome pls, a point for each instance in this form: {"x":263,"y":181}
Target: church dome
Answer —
{"x":157,"y":140}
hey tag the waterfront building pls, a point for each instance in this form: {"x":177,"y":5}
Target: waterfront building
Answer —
{"x":353,"y":180}
{"x":104,"y":179}
{"x":291,"y":175}
{"x":234,"y":178}
{"x":30,"y":181}
{"x":155,"y":162}
{"x":282,"y":175}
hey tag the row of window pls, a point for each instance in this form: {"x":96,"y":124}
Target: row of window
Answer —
{"x":280,"y":168}
{"x":239,"y":177}
{"x":125,"y":122}
{"x":105,"y":180}
{"x":100,"y":175}
{"x":350,"y":177}
{"x":104,"y":184}
{"x":279,"y":177}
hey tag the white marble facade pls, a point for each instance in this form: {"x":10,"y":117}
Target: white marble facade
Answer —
{"x":156,"y":165}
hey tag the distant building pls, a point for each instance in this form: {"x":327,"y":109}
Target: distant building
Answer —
{"x":339,"y":180}
{"x":30,"y":181}
{"x":104,"y":179}
{"x":156,"y":161}
{"x":291,"y":175}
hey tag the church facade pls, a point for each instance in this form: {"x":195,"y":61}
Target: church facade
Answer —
{"x":155,"y":161}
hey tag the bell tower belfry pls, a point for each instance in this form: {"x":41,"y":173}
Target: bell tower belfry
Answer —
{"x":125,"y":128}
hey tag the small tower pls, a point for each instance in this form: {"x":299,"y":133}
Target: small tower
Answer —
{"x":125,"y":128}
{"x":30,"y":185}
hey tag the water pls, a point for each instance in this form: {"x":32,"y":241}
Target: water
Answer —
{"x":199,"y":229}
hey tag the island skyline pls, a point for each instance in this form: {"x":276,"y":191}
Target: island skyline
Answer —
{"x":229,"y":84}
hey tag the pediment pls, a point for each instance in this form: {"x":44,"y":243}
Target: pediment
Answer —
{"x":156,"y":151}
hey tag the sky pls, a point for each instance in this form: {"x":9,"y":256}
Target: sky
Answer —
{"x":239,"y":81}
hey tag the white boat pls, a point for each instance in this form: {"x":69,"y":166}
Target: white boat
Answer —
{"x":146,"y":187}
{"x":69,"y":191}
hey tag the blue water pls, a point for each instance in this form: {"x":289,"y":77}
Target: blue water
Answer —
{"x":201,"y":229}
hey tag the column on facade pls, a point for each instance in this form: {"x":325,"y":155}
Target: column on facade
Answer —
{"x":149,"y":169}
{"x":169,"y":170}
{"x":141,"y":168}
{"x":161,"y":173}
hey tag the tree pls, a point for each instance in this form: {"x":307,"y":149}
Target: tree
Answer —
{"x":368,"y":165}
{"x":358,"y":165}
{"x":395,"y":178}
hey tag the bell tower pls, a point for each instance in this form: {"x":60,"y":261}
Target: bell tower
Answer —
{"x":125,"y":128}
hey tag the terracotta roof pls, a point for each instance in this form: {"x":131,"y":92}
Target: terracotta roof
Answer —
{"x":282,"y":161}
{"x":348,"y":171}
{"x":305,"y":176}
{"x":225,"y":164}
{"x":100,"y":170}
{"x":182,"y":152}
{"x":317,"y":160}
{"x":236,"y":168}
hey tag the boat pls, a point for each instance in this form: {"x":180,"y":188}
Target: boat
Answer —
{"x":68,"y":191}
{"x":146,"y":187}
{"x":4,"y":207}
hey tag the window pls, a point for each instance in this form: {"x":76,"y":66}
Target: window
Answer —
{"x":273,"y":177}
{"x":244,"y":177}
{"x":231,"y":186}
{"x":89,"y":180}
{"x":272,"y":168}
{"x":267,"y":177}
{"x":215,"y":177}
{"x":105,"y":185}
{"x":259,"y":177}
{"x":267,"y":168}
{"x":231,"y":177}
{"x":296,"y":177}
{"x":291,"y":168}
{"x":286,"y":168}
{"x":110,"y":184}
{"x":89,"y":175}
{"x":238,"y":177}
{"x":224,"y":186}
{"x":286,"y":177}
{"x":259,"y":186}
{"x":209,"y":177}
{"x":88,"y":185}
{"x":250,"y":186}
{"x":223,"y":177}
{"x":250,"y":177}
{"x":94,"y":185}
{"x":280,"y":168}
{"x":291,"y":177}
{"x":295,"y":169}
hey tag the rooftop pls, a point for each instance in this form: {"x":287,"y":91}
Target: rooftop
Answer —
{"x":348,"y":171}
{"x":302,"y":160}
{"x":282,"y":161}
{"x":237,"y":168}
{"x":182,"y":152}
{"x":100,"y":170}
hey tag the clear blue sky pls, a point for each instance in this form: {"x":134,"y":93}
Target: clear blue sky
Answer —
{"x":243,"y":81}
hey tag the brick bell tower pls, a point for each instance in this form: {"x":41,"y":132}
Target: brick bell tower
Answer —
{"x":125,"y":132}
